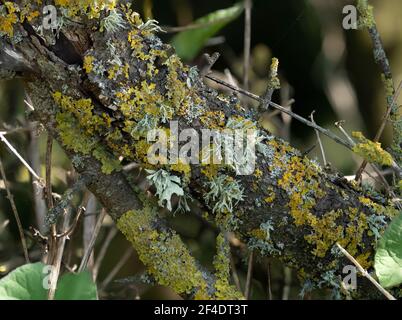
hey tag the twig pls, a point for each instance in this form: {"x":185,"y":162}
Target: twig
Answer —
{"x":59,"y":245}
{"x":247,"y":289}
{"x":102,"y":252}
{"x":71,"y":229}
{"x":365,"y":273}
{"x":339,"y":124}
{"x":88,"y":225}
{"x":15,"y":212}
{"x":4,"y":225}
{"x":247,"y":42}
{"x":288,"y":283}
{"x":91,"y":245}
{"x":116,"y":268}
{"x":48,"y":185}
{"x":15,"y":152}
{"x":35,"y":161}
{"x":326,"y":132}
{"x":269,"y":285}
{"x":380,"y":129}
{"x":324,"y":159}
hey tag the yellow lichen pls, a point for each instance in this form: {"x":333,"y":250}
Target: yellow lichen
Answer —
{"x":371,"y":151}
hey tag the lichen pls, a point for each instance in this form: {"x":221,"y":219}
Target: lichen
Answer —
{"x":163,"y":253}
{"x":371,"y":151}
{"x":366,"y":17}
{"x":224,"y":290}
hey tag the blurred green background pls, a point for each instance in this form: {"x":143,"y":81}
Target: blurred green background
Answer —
{"x":322,"y":67}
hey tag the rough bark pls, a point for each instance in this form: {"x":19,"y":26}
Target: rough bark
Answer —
{"x":92,"y":90}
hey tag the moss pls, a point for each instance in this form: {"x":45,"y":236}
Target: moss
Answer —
{"x":163,"y":253}
{"x":371,"y":151}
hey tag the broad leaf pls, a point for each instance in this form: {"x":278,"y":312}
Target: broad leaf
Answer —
{"x":28,"y":282}
{"x":388,"y":258}
{"x":189,"y":43}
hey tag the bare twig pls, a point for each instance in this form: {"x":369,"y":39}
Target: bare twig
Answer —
{"x":326,"y":132}
{"x":324,"y":159}
{"x":365,"y":273}
{"x":339,"y":125}
{"x":59,"y":245}
{"x":91,"y":245}
{"x":15,"y":212}
{"x":35,"y":161}
{"x":116,"y":268}
{"x":102,"y":252}
{"x":380,"y":129}
{"x":48,"y":185}
{"x":15,"y":152}
{"x":4,"y":225}
{"x":269,"y":285}
{"x":68,"y":232}
{"x":247,"y":289}
{"x":288,"y":282}
{"x":247,"y":42}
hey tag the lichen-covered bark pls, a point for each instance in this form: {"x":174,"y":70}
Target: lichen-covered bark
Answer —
{"x":106,"y":80}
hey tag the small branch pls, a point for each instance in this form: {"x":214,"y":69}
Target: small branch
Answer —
{"x":116,"y":268}
{"x":102,"y":252}
{"x":247,"y":289}
{"x":4,"y":225}
{"x":381,"y":128}
{"x":15,"y":152}
{"x":91,"y":245}
{"x":48,"y":185}
{"x":339,"y":124}
{"x":326,"y":132}
{"x":247,"y":42}
{"x":365,"y":273}
{"x":324,"y":159}
{"x":71,"y":229}
{"x":269,"y":285}
{"x":15,"y":212}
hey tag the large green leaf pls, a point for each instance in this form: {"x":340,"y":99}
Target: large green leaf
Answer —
{"x":189,"y":43}
{"x":388,"y":258}
{"x":28,"y":283}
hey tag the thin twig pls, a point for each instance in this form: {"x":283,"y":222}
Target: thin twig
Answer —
{"x":381,"y":128}
{"x":59,"y":245}
{"x":324,"y":159}
{"x":326,"y":132}
{"x":117,"y":268}
{"x":15,"y":152}
{"x":15,"y":212}
{"x":365,"y":273}
{"x":288,"y":282}
{"x":102,"y":252}
{"x":269,"y":285}
{"x":247,"y":289}
{"x":71,"y":229}
{"x":247,"y":42}
{"x":4,"y":225}
{"x":48,"y":185}
{"x":91,"y":245}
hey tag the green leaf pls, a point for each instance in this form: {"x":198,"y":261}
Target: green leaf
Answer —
{"x":388,"y":258}
{"x":28,"y":283}
{"x":189,"y":43}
